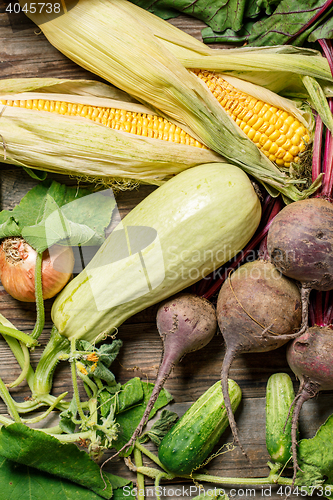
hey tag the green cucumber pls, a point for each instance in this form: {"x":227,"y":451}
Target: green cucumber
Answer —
{"x":279,"y":398}
{"x":190,"y":441}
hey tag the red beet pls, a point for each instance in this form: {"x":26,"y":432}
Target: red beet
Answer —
{"x":257,"y":307}
{"x":300,"y":245}
{"x":310,"y":358}
{"x":186,"y":323}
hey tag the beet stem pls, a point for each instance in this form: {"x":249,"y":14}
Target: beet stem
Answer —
{"x":306,"y":391}
{"x":164,"y":371}
{"x":328,"y":163}
{"x":227,"y":361}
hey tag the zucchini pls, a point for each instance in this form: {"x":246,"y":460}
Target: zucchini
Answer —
{"x":279,"y":398}
{"x":190,"y":441}
{"x":180,"y":233}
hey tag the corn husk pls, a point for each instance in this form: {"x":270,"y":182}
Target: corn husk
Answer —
{"x":117,"y":41}
{"x":77,"y":146}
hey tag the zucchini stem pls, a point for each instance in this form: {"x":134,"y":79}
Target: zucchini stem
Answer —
{"x":10,"y":403}
{"x":17,"y":334}
{"x":25,"y":368}
{"x":56,"y":347}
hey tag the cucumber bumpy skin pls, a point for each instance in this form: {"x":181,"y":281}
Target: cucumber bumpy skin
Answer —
{"x":279,"y":398}
{"x":190,"y":441}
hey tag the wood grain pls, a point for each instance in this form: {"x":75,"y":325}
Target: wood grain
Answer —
{"x":25,"y":52}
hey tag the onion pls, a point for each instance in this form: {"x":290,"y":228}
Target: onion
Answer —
{"x":17,"y":269}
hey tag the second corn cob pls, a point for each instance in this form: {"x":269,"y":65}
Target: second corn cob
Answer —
{"x":277,"y":133}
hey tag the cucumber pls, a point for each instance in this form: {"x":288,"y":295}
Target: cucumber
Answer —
{"x":189,"y":442}
{"x":279,"y":397}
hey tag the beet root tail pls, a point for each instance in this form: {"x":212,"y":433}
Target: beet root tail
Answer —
{"x":306,"y":391}
{"x":227,"y":361}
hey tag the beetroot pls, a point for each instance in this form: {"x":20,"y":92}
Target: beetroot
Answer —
{"x":300,"y":245}
{"x":185,"y":323}
{"x":310,"y":358}
{"x":257,"y":307}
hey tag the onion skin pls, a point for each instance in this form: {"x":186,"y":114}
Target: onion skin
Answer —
{"x":17,"y":269}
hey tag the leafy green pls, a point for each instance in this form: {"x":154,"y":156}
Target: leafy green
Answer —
{"x":67,"y":418}
{"x":159,"y":429}
{"x":54,"y":213}
{"x":19,"y":482}
{"x":315,"y":458}
{"x":283,"y":26}
{"x":324,"y":31}
{"x":257,"y":22}
{"x":98,"y":363}
{"x":129,"y":419}
{"x":130,"y":394}
{"x":37,"y":449}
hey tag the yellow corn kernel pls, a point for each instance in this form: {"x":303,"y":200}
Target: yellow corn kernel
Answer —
{"x":263,"y":123}
{"x":141,"y":124}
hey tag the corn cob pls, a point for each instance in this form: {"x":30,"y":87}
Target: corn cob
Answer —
{"x":132,"y":52}
{"x":75,"y":145}
{"x":142,"y":124}
{"x":277,"y":133}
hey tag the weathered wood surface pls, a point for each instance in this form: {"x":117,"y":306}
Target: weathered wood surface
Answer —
{"x":24,"y":52}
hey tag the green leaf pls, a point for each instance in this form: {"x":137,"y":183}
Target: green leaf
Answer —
{"x":131,"y":393}
{"x":287,"y":20}
{"x":66,"y":423}
{"x":315,"y":457}
{"x":56,"y":227}
{"x":9,"y":228}
{"x":36,"y":449}
{"x":19,"y":482}
{"x":218,"y":14}
{"x":52,"y":212}
{"x":324,"y":31}
{"x":130,"y":419}
{"x":120,"y":397}
{"x":228,"y":36}
{"x":159,"y":429}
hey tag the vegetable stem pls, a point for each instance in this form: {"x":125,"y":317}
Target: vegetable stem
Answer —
{"x":17,"y":350}
{"x":10,"y":403}
{"x":17,"y":334}
{"x":140,"y":478}
{"x":40,"y":320}
{"x":25,"y":368}
{"x":74,"y":382}
{"x":56,"y":346}
{"x":149,"y":454}
{"x":69,"y":438}
{"x":47,"y":412}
